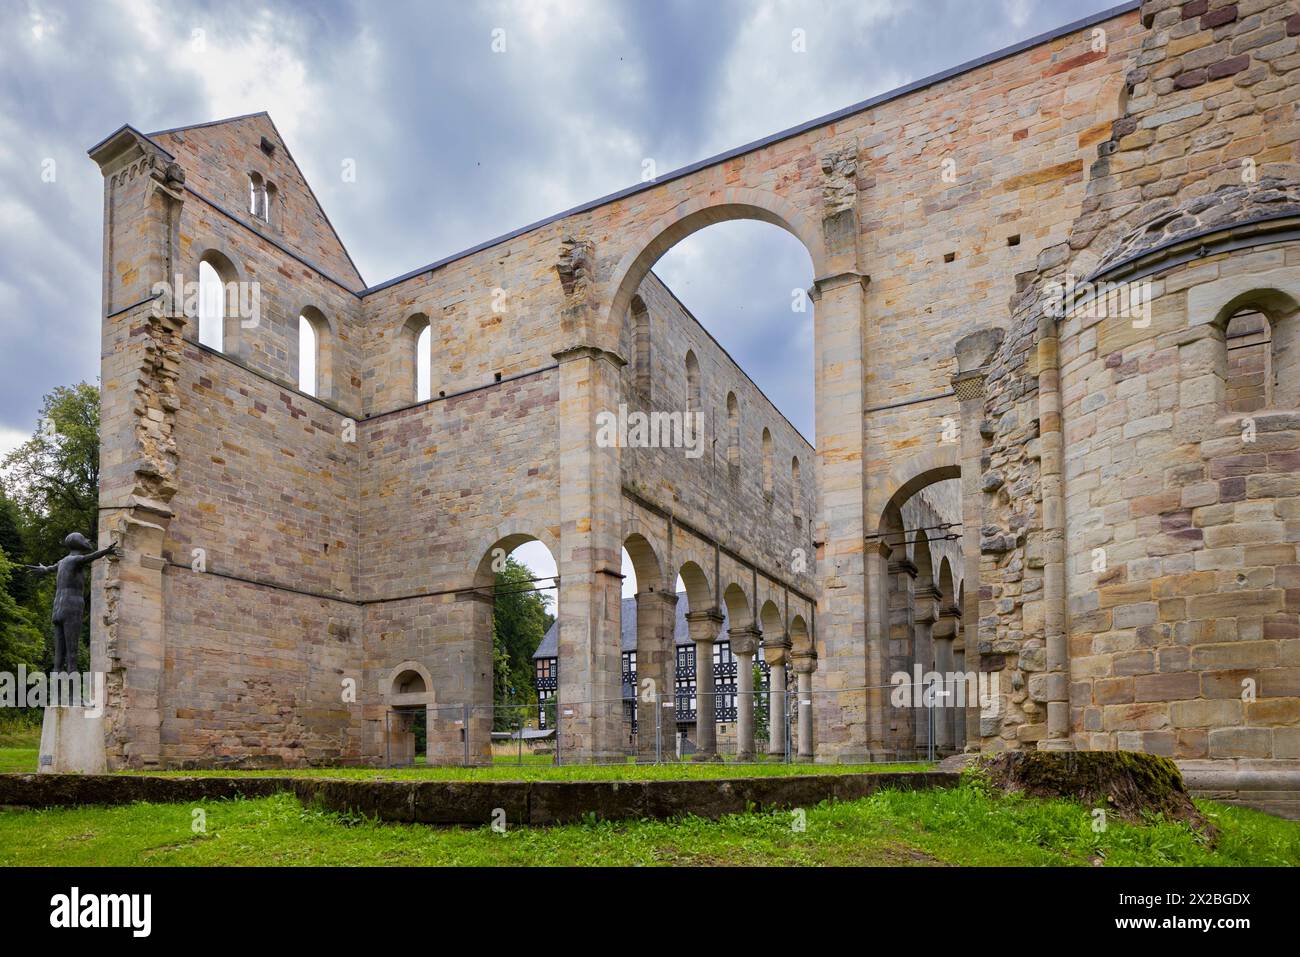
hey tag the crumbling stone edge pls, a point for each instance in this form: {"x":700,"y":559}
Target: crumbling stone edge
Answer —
{"x":475,"y":802}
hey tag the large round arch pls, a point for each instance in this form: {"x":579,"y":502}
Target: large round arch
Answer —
{"x":691,"y":217}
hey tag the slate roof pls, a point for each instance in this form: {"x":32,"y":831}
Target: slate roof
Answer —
{"x":549,"y":648}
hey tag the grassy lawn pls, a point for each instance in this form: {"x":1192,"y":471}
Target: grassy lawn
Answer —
{"x":964,"y":825}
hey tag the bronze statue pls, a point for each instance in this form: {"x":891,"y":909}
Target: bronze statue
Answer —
{"x":69,"y":600}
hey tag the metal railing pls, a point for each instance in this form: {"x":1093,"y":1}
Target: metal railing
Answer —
{"x":748,"y":728}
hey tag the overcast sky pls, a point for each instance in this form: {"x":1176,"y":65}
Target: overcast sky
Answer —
{"x":453,"y":143}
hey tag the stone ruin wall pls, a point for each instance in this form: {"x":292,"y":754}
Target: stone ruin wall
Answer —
{"x":1197,"y":532}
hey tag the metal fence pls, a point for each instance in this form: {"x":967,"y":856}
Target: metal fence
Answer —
{"x":748,"y":727}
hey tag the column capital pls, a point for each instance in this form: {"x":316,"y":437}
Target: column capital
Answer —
{"x":805,"y":662}
{"x":646,"y":597}
{"x":703,"y":626}
{"x":744,"y":641}
{"x":824,"y":284}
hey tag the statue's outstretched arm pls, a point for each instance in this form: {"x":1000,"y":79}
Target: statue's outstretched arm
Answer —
{"x":110,"y":549}
{"x":39,"y":569}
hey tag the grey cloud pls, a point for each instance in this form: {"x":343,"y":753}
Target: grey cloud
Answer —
{"x":453,"y":144}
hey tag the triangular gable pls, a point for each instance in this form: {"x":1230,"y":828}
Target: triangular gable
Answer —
{"x":218,"y":158}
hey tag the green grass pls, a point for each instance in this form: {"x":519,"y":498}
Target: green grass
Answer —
{"x":964,"y":825}
{"x":21,"y":760}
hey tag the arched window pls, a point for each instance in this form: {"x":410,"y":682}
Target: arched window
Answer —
{"x":733,"y":436}
{"x":796,"y":493}
{"x":315,"y":354}
{"x":268,"y":202}
{"x":641,"y":345}
{"x":768,"y":490}
{"x":1261,"y":334}
{"x":415,"y":361}
{"x":219,"y":304}
{"x":692,"y":382}
{"x":212,"y":307}
{"x":257,"y":196}
{"x":1250,"y":373}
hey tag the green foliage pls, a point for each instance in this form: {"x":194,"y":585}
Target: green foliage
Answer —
{"x":53,"y":477}
{"x":21,"y":641}
{"x":49,"y":486}
{"x":520,"y":618}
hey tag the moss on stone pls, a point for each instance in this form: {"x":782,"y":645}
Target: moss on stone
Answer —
{"x":1129,"y":784}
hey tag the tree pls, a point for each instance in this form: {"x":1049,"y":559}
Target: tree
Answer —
{"x":520,"y":619}
{"x":49,"y":486}
{"x":53,"y":477}
{"x":21,"y":642}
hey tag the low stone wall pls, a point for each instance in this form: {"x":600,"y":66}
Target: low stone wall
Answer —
{"x":1271,"y":786}
{"x":474,"y":802}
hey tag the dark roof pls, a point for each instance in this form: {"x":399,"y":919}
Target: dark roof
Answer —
{"x":549,"y":648}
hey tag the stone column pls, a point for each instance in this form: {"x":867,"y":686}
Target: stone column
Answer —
{"x":704,"y":627}
{"x":776,"y":649}
{"x":943,"y":634}
{"x":805,"y":663}
{"x":591,"y":519}
{"x":926,"y":598}
{"x":973,"y":353}
{"x":901,"y":581}
{"x":959,"y":714}
{"x":839,"y":292}
{"x":656,"y":659}
{"x":1054,"y":689}
{"x":743,"y":645}
{"x":877,"y":612}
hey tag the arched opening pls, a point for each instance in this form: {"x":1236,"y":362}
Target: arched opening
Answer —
{"x":218,"y":303}
{"x":919,"y":526}
{"x":769,"y":485}
{"x":520,"y":643}
{"x":733,"y":437}
{"x":315,"y":354}
{"x":1250,"y":374}
{"x":641,"y":355}
{"x":796,"y":496}
{"x":414,"y":380}
{"x":694,"y":697}
{"x":256,"y":196}
{"x":646,"y":645}
{"x":408,"y":695}
{"x":692,"y":382}
{"x":1261,"y":367}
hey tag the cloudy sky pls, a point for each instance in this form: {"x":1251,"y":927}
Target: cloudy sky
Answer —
{"x":453,"y":141}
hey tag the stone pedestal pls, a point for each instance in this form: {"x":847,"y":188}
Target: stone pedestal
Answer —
{"x":72,"y":741}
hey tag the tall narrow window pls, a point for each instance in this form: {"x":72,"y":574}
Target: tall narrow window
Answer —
{"x":692,"y":382}
{"x":256,"y":196}
{"x":733,"y":436}
{"x":306,"y":356}
{"x":423,"y":361}
{"x":641,"y":345}
{"x":415,"y":363}
{"x":796,"y":494}
{"x":268,"y":202}
{"x":1250,"y":373}
{"x":315,"y":354}
{"x":767,"y":464}
{"x":212,"y":307}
